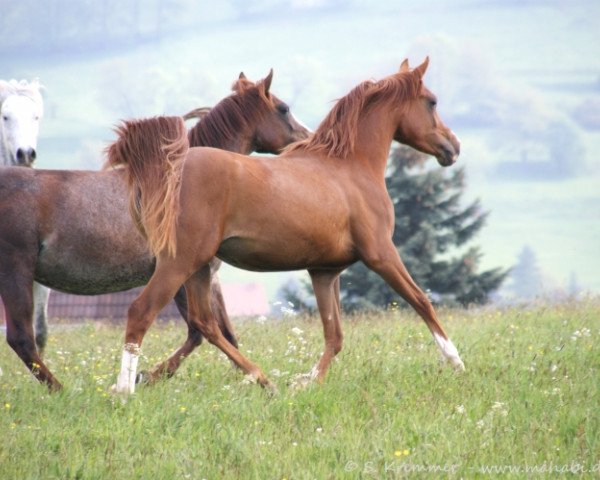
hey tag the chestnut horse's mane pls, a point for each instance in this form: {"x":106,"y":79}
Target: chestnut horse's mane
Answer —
{"x":227,"y":119}
{"x":336,"y":134}
{"x":142,"y":147}
{"x":153,"y":152}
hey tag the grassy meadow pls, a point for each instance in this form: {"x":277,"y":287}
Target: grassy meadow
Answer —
{"x":527,"y":406}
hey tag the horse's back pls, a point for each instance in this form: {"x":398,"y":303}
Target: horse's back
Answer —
{"x":269,"y":218}
{"x":48,"y":192}
{"x":76,"y":227}
{"x":18,"y":190}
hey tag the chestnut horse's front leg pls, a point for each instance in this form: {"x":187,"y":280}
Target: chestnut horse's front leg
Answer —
{"x":161,"y":288}
{"x":387,"y":263}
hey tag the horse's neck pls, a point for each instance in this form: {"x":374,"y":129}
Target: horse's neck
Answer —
{"x":242,"y":142}
{"x":374,"y":137}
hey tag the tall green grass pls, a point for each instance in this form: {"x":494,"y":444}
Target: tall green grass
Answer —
{"x":527,"y":406}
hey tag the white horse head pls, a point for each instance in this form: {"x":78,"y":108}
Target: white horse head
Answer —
{"x":21,"y":108}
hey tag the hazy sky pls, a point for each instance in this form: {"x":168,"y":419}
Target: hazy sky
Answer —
{"x":518,"y":81}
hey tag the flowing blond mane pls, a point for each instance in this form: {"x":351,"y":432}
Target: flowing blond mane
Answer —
{"x":336,"y":134}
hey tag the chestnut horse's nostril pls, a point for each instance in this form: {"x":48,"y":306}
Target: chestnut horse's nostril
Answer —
{"x":33,"y":154}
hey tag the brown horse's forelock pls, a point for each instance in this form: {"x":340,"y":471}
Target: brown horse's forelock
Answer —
{"x":336,"y":134}
{"x":231,"y":115}
{"x":153,"y":152}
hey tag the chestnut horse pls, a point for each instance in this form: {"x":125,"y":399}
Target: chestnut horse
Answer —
{"x":71,"y":230}
{"x":322,"y":206}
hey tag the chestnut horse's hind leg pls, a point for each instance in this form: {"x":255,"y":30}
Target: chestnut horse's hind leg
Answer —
{"x":18,"y":304}
{"x":194,"y":338}
{"x":168,"y":367}
{"x":326,"y":285}
{"x":388,"y":265}
{"x":198,"y":288}
{"x":220,"y":312}
{"x":41,"y":295}
{"x":218,"y":308}
{"x":161,"y":288}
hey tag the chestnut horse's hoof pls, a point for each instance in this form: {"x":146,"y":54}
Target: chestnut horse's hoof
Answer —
{"x":271,"y":389}
{"x":263,"y":381}
{"x":55,"y":386}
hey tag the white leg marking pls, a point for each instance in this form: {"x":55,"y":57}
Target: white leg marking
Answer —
{"x":303,"y":380}
{"x":40,"y":310}
{"x":250,"y":378}
{"x":126,"y":379}
{"x":449,"y":351}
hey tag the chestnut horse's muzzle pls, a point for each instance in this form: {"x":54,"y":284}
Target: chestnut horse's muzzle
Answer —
{"x":450,"y":150}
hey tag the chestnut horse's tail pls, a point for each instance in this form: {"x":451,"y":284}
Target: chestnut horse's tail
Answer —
{"x":153,"y":151}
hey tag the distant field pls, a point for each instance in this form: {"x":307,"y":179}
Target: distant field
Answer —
{"x":526,"y":407}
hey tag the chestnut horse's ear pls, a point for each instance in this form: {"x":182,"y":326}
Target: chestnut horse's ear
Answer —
{"x":267,"y":81}
{"x":241,"y":83}
{"x":421,"y":69}
{"x":404,"y":66}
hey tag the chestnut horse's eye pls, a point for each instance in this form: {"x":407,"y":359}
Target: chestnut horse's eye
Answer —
{"x":433,"y":104}
{"x":283,"y":109}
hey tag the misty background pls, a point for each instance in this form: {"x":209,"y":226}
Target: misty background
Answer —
{"x":518,"y":82}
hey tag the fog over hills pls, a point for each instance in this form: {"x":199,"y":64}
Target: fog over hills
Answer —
{"x":518,"y":81}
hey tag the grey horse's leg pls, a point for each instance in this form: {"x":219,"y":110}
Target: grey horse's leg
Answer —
{"x":41,"y":295}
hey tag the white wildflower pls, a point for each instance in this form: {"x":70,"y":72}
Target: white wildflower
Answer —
{"x":586,"y":332}
{"x":532,"y":367}
{"x":500,"y":408}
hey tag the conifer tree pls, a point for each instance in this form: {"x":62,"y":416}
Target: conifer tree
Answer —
{"x":431,"y":234}
{"x":527,"y":280}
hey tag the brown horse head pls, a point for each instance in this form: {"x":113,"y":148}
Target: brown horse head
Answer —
{"x":278,"y":127}
{"x":251,"y":119}
{"x":420,"y":125}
